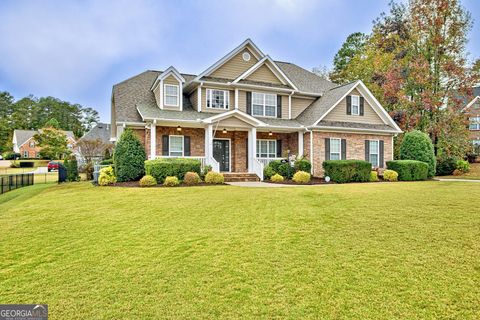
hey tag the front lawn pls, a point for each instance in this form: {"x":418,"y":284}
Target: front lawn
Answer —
{"x":473,"y":174}
{"x":357,"y":251}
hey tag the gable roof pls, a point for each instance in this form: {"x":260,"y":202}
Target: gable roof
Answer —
{"x":101,"y":132}
{"x":22,"y":136}
{"x":304,"y":80}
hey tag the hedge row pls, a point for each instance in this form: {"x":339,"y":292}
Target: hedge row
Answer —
{"x":342,"y":171}
{"x":162,"y":168}
{"x":409,"y":170}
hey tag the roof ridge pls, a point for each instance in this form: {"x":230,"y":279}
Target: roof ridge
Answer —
{"x":130,"y":78}
{"x":343,"y":85}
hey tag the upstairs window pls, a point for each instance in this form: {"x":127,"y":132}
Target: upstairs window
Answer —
{"x":170,"y":95}
{"x":218,"y":99}
{"x":32,"y":144}
{"x":264,"y":104}
{"x":355,"y":105}
{"x":335,"y":149}
{"x":475,"y":123}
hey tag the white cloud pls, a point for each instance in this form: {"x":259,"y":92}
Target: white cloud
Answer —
{"x":60,"y":47}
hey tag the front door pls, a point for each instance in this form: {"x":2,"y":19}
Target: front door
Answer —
{"x":221,"y":153}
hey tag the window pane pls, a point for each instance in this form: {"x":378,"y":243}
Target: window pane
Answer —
{"x":171,"y":90}
{"x":270,"y":111}
{"x":176,"y":146}
{"x":355,"y":110}
{"x":272,"y":148}
{"x":355,"y":101}
{"x":257,"y":110}
{"x":217,"y":99}
{"x":373,"y":146}
{"x":270,"y":99}
{"x":171,"y":100}
{"x":334,"y":145}
{"x":374,"y":160}
{"x":334,"y":156}
{"x":257,"y":98}
{"x":258,"y":148}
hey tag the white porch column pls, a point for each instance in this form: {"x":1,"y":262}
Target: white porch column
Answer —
{"x":252,"y":147}
{"x":300,"y":143}
{"x":209,"y":141}
{"x":153,"y":141}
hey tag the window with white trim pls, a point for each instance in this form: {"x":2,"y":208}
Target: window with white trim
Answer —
{"x":170,"y":95}
{"x":264,"y":104}
{"x":266,"y":148}
{"x":25,"y":154}
{"x":218,"y":99}
{"x":175,"y":146}
{"x":373,"y":156}
{"x":475,"y":123}
{"x":335,"y":149}
{"x":32,"y":144}
{"x":355,"y":105}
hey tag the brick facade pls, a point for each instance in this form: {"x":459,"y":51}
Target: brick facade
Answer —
{"x":30,"y":149}
{"x":355,"y":147}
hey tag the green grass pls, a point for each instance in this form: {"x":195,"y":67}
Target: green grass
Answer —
{"x":358,"y":251}
{"x":473,"y":174}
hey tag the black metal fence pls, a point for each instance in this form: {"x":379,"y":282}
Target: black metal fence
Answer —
{"x":15,"y":181}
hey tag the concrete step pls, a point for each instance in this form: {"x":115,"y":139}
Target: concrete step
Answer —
{"x":240,"y":177}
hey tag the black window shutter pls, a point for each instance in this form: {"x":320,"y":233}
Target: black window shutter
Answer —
{"x":344,"y":149}
{"x":381,"y":153}
{"x":249,"y":102}
{"x":165,"y":145}
{"x":349,"y":104}
{"x":327,"y":148}
{"x":279,"y":106}
{"x":362,"y":109}
{"x":186,"y":146}
{"x":279,"y":148}
{"x":367,"y":150}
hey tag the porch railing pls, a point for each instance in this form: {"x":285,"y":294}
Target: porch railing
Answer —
{"x":214,"y":163}
{"x":266,"y":161}
{"x":202,"y":160}
{"x":258,"y":168}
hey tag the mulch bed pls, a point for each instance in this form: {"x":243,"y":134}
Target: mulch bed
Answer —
{"x":136,"y":184}
{"x":313,"y":181}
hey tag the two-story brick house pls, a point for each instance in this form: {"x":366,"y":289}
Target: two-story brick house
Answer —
{"x":472,"y":109}
{"x":248,"y":109}
{"x":24,"y":143}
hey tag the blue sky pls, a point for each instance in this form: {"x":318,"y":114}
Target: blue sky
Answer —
{"x":76,"y":50}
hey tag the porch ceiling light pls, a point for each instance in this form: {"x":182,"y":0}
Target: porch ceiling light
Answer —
{"x":179,"y":128}
{"x":224,"y":130}
{"x":270,"y":133}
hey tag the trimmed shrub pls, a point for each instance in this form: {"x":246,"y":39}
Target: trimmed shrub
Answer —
{"x":302,"y":164}
{"x":390,"y":175}
{"x":409,"y":170}
{"x":191,"y":178}
{"x":416,"y":145}
{"x":214,"y":178}
{"x":147,"y":181}
{"x":286,"y":170}
{"x":275,"y":164}
{"x":301,"y":177}
{"x":276,"y":178}
{"x":162,"y":168}
{"x":342,"y":171}
{"x":463,"y":166}
{"x":106,"y":162}
{"x":106,"y":176}
{"x":268,"y":172}
{"x":171,"y":182}
{"x":446,"y":166}
{"x":129,"y":157}
{"x":374,"y":176}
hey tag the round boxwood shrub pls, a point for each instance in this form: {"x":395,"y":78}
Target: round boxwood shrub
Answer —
{"x":446,"y":166}
{"x":286,"y":170}
{"x":268,"y":172}
{"x":106,"y":176}
{"x":373,"y":176}
{"x":276,"y":178}
{"x":463,"y":166}
{"x":191,"y":178}
{"x":148,"y":181}
{"x":214,"y":178}
{"x":416,"y":145}
{"x":301,"y":177}
{"x":129,"y":157}
{"x":302,"y":164}
{"x":390,"y":175}
{"x":171,"y":182}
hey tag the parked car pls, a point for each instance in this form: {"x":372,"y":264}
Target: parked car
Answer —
{"x":52,"y":165}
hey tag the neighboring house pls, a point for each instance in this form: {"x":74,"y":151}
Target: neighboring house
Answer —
{"x":101,"y":133}
{"x":247,"y":110}
{"x":26,"y":146}
{"x":472,"y":109}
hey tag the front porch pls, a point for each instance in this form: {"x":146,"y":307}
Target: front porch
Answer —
{"x":229,"y":149}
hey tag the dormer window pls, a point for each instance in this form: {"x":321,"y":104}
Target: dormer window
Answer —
{"x":355,"y":105}
{"x":171,"y":95}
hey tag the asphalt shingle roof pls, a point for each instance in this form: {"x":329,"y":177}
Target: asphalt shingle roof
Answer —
{"x":305,"y":80}
{"x":24,"y":135}
{"x":101,"y":132}
{"x":355,"y":125}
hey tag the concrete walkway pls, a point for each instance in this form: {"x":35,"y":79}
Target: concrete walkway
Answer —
{"x":266,"y":185}
{"x":460,"y":180}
